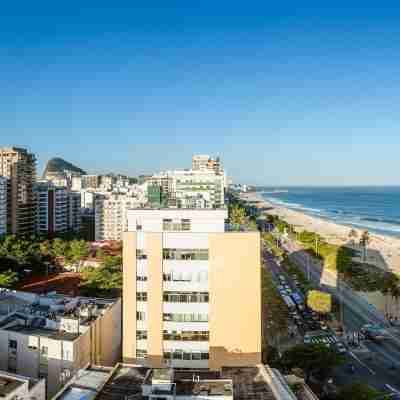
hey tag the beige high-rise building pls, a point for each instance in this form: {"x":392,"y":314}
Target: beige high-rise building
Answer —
{"x":19,"y":167}
{"x":191,"y":290}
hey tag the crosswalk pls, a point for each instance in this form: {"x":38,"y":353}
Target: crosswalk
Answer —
{"x":326,"y":339}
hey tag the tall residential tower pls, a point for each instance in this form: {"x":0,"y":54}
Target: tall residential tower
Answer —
{"x":191,"y":289}
{"x":19,"y":166}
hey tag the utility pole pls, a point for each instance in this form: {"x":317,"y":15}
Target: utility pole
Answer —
{"x":341,"y":308}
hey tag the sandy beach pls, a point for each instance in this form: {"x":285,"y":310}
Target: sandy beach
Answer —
{"x":384,"y":251}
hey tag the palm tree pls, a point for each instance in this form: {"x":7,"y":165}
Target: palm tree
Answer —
{"x":364,"y":241}
{"x":395,"y":292}
{"x":353,"y":234}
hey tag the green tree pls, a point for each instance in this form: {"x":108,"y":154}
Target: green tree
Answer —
{"x":59,"y":247}
{"x":314,"y":359}
{"x":359,"y":391}
{"x":78,"y":250}
{"x":8,"y":278}
{"x":45,"y":248}
{"x":237,"y":215}
{"x":103,"y":281}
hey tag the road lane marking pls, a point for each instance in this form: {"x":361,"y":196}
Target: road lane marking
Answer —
{"x":362,"y":363}
{"x":392,"y":388}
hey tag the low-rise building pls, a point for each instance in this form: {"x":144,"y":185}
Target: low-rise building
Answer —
{"x":141,"y":383}
{"x":18,"y":387}
{"x":54,"y":336}
{"x":3,"y":206}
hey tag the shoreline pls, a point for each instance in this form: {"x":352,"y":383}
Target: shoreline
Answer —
{"x":383,"y":251}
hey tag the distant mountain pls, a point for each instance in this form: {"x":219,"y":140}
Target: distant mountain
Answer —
{"x":57,"y":167}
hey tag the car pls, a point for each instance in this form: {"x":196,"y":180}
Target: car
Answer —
{"x":307,"y":340}
{"x":323,"y":326}
{"x":341,"y":349}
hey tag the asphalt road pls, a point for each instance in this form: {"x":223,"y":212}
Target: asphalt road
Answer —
{"x":377,"y":364}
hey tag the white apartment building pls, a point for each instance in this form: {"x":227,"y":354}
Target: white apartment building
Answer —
{"x":110,"y":215}
{"x":54,"y":336}
{"x":3,"y":206}
{"x":192,"y":188}
{"x":18,"y":387}
{"x":183,"y":276}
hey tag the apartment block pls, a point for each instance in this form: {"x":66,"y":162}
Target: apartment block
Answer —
{"x":3,"y":206}
{"x":191,"y":289}
{"x":19,"y":166}
{"x":18,"y":387}
{"x":54,"y":336}
{"x":90,"y":181}
{"x":191,"y":188}
{"x":206,"y":163}
{"x":74,"y":211}
{"x":52,"y":207}
{"x":58,"y":209}
{"x":111,"y":215}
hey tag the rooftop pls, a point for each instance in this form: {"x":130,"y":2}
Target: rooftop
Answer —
{"x":9,"y":385}
{"x":85,"y":384}
{"x":49,"y":333}
{"x":52,"y":315}
{"x":239,"y":383}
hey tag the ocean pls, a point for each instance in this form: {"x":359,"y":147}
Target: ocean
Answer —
{"x":374,"y":208}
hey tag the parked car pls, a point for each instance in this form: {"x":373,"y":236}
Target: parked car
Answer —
{"x":341,"y":348}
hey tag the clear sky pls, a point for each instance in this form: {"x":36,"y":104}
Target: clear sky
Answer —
{"x":285,"y":92}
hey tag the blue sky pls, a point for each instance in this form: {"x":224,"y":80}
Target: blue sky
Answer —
{"x":288,"y":93}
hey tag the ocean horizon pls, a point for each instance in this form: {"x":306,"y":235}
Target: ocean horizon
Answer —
{"x":375,"y":208}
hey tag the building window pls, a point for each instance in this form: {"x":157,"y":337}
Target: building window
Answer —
{"x":12,"y":344}
{"x":185,"y":254}
{"x":141,"y":335}
{"x":140,"y":316}
{"x":186,"y":297}
{"x":44,"y":351}
{"x":185,"y":317}
{"x":141,"y":278}
{"x":140,"y":255}
{"x":174,"y":226}
{"x":187,"y":336}
{"x":141,"y":296}
{"x":141,"y":353}
{"x":185,"y":355}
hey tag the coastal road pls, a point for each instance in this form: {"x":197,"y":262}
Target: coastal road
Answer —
{"x":377,"y":364}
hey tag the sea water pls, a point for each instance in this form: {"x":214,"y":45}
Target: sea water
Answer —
{"x":376,"y":209}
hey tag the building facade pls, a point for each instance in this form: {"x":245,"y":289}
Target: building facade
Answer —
{"x":19,"y":166}
{"x":192,"y":291}
{"x":111,"y":215}
{"x":52,"y":337}
{"x":58,"y":209}
{"x":18,"y":387}
{"x":3,"y":206}
{"x":52,"y":206}
{"x":206,"y":163}
{"x":191,"y":188}
{"x":74,"y":211}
